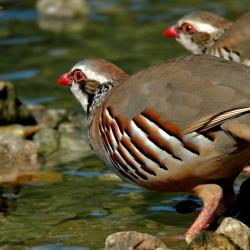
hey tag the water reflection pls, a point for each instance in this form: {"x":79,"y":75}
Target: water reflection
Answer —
{"x":56,"y":247}
{"x":17,"y":75}
{"x":8,"y":199}
{"x":61,"y":25}
{"x":21,"y":15}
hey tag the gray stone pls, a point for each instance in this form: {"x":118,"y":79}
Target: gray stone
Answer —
{"x":18,"y":158}
{"x":20,"y":130}
{"x":47,"y":117}
{"x":7,"y":247}
{"x":133,"y":241}
{"x":237,"y":231}
{"x":66,"y":144}
{"x":47,"y":141}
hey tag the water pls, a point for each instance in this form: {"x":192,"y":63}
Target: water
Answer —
{"x":83,"y":209}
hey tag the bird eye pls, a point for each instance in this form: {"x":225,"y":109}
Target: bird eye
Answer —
{"x":78,"y":75}
{"x":188,"y":28}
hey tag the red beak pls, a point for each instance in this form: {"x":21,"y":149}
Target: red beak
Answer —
{"x":65,"y":79}
{"x":171,"y":32}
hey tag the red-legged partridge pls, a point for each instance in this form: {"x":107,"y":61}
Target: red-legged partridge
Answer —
{"x":181,"y":126}
{"x":206,"y":33}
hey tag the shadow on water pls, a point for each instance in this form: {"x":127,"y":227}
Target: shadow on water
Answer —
{"x":89,"y":203}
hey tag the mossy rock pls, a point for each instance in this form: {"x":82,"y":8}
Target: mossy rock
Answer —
{"x":11,"y":108}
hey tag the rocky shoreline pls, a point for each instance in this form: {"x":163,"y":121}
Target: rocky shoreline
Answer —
{"x":230,"y":235}
{"x":34,"y":139}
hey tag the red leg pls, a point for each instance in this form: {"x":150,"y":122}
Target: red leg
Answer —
{"x":212,"y":196}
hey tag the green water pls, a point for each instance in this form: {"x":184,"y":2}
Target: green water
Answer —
{"x":83,"y":209}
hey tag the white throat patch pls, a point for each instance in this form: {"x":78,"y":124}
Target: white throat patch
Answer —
{"x":189,"y":45}
{"x":80,"y":96}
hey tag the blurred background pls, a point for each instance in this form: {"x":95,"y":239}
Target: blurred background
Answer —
{"x":40,"y":40}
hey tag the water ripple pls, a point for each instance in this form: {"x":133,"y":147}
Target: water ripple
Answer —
{"x":20,"y":40}
{"x":23,"y":15}
{"x":19,"y":75}
{"x":56,"y":247}
{"x":83,"y":174}
{"x":161,"y":209}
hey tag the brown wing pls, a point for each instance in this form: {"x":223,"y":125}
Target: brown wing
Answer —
{"x":215,"y":120}
{"x":184,"y":90}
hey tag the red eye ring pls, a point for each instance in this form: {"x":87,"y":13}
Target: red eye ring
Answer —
{"x":78,"y":76}
{"x":188,"y":28}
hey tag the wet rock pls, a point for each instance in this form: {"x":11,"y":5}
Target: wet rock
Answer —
{"x":62,"y":8}
{"x":74,"y":144}
{"x":134,"y":241}
{"x":212,"y":241}
{"x":59,"y":136}
{"x":11,"y":109}
{"x":47,"y":117}
{"x":20,"y":130}
{"x":66,"y":144}
{"x":47,"y":141}
{"x":18,"y":157}
{"x":7,"y":247}
{"x":238,"y":232}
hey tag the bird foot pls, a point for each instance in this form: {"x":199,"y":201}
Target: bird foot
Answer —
{"x":212,"y":196}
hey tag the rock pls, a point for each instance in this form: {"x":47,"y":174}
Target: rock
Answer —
{"x":211,"y":241}
{"x":11,"y":109}
{"x":73,"y":144}
{"x":62,"y":8}
{"x":134,"y":241}
{"x":66,"y":144}
{"x":18,"y":158}
{"x":7,"y":247}
{"x":47,"y":117}
{"x":47,"y":141}
{"x":237,"y":231}
{"x":20,"y":130}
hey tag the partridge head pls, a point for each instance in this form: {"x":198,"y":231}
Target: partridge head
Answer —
{"x":173,"y":127}
{"x":206,"y":33}
{"x":90,"y":80}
